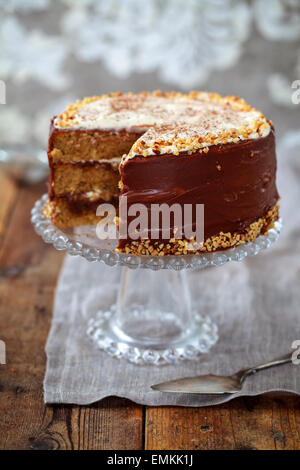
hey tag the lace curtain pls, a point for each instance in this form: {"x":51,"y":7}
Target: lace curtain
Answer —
{"x":55,"y":51}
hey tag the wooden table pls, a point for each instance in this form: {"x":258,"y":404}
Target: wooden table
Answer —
{"x":28,"y":275}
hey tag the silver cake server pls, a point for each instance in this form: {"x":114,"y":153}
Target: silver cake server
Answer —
{"x":217,"y":384}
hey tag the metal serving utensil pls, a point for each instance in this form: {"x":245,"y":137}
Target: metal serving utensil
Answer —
{"x":217,"y":384}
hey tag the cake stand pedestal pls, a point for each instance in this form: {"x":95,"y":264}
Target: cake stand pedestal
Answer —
{"x":153,"y":320}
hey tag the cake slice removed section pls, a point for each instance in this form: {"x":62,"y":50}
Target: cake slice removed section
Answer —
{"x":84,"y":165}
{"x":78,"y":189}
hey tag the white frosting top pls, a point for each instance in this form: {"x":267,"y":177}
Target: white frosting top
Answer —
{"x":172,"y":122}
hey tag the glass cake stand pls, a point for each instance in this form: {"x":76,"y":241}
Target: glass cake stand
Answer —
{"x":154,"y":320}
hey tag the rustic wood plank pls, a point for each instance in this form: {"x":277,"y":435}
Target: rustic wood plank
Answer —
{"x":246,"y":423}
{"x":29,"y":270}
{"x":9,"y":192}
{"x":110,"y":424}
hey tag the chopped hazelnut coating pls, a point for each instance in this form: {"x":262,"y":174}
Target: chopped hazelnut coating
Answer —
{"x":214,"y":243}
{"x":172,"y":122}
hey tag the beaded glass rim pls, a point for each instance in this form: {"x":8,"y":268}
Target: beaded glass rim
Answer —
{"x":77,"y":243}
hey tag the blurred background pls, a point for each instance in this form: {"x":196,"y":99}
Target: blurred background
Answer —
{"x":53,"y":52}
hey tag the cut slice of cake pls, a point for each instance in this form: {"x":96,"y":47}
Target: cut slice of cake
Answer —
{"x":196,"y":148}
{"x":85,"y":148}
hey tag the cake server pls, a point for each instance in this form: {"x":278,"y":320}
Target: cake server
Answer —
{"x":217,"y":384}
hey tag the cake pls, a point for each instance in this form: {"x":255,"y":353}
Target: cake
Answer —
{"x":84,"y":155}
{"x":196,"y":148}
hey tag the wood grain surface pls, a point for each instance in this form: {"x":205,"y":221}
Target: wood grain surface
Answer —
{"x":28,"y":275}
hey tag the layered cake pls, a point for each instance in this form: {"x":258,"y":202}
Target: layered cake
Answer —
{"x":84,"y":152}
{"x":196,"y":148}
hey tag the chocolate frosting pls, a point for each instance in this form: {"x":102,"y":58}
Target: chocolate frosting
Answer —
{"x":236,"y":182}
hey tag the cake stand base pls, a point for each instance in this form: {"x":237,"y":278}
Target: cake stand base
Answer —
{"x":153,"y":320}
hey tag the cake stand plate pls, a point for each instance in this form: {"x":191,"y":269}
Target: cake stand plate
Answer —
{"x":154,"y":320}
